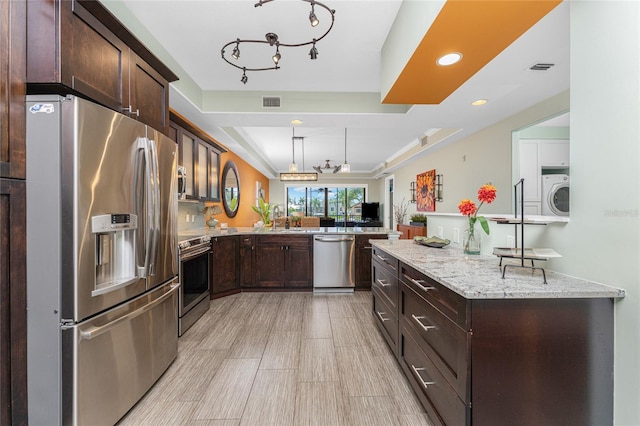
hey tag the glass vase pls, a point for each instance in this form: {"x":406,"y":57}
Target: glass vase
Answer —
{"x":471,"y":240}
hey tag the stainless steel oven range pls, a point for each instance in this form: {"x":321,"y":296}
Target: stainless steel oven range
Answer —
{"x":195,"y":277}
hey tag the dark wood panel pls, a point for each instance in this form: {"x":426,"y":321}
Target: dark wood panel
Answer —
{"x":247,"y":261}
{"x":225,"y":269}
{"x":363,"y":259}
{"x":13,"y":305}
{"x":299,"y":265}
{"x":269,"y":264}
{"x":386,"y":319}
{"x":385,"y":259}
{"x":437,"y":396}
{"x":385,"y":282}
{"x":149,"y":95}
{"x":446,"y":344}
{"x":12,"y":89}
{"x":549,"y":360}
{"x":445,"y":300}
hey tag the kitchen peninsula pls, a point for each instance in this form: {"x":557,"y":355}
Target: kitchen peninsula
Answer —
{"x":482,"y":350}
{"x":248,"y":259}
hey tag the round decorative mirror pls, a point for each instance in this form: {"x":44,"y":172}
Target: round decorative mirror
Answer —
{"x":230,"y":189}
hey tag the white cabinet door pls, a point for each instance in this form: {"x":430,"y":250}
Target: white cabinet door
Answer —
{"x":554,"y":153}
{"x":530,"y":170}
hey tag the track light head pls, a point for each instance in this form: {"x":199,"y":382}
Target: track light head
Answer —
{"x":244,"y":77}
{"x":276,"y":57}
{"x":272,"y":38}
{"x":236,"y":50}
{"x":313,"y":53}
{"x":313,"y":19}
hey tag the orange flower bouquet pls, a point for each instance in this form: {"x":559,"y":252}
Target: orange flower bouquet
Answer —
{"x":486,"y":194}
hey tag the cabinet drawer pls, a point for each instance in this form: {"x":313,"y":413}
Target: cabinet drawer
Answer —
{"x":446,"y":301}
{"x":385,"y":282}
{"x":385,"y":259}
{"x":438,"y":397}
{"x":387,"y":320}
{"x":247,"y":241}
{"x":446,"y":344}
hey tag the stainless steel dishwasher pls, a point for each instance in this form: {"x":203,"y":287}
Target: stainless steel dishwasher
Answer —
{"x":333,"y":261}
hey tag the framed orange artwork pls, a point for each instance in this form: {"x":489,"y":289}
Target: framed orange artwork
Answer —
{"x":426,"y":191}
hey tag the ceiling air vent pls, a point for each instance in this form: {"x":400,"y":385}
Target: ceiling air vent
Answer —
{"x":271,"y":102}
{"x":540,"y":67}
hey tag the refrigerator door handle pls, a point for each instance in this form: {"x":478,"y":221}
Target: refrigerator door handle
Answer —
{"x":143,"y":144}
{"x":155,"y":201}
{"x":94,"y":332}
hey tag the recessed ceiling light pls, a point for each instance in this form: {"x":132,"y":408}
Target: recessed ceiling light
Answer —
{"x":449,"y":59}
{"x":479,"y":102}
{"x":296,"y":121}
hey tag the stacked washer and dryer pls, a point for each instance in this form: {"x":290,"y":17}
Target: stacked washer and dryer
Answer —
{"x":555,"y":195}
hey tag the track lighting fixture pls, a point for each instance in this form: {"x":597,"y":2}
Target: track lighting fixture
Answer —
{"x":276,"y":57}
{"x":272,"y":39}
{"x":314,"y":52}
{"x":313,"y":18}
{"x":236,"y":50}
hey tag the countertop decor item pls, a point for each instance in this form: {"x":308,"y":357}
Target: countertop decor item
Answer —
{"x":400,"y":211}
{"x":471,"y":240}
{"x":264,"y":211}
{"x":433,"y":241}
{"x":210,"y":212}
{"x":418,"y":219}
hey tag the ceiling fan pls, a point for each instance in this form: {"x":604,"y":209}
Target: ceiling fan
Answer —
{"x":327,"y":166}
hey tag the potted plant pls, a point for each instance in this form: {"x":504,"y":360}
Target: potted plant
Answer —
{"x":400,"y":211}
{"x":418,"y":219}
{"x":264,"y":211}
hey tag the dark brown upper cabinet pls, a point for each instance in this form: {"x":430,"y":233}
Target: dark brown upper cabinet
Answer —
{"x":78,"y":47}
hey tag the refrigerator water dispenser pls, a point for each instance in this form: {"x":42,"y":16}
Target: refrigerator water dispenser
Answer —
{"x":115,"y":248}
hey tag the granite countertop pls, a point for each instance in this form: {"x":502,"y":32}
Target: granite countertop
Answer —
{"x":480,"y":277}
{"x":218,"y":232}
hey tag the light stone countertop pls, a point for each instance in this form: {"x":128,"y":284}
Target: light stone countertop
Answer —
{"x":480,"y":277}
{"x":218,"y":232}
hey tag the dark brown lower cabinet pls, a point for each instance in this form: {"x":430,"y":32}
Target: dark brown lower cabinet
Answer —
{"x":247,"y":260}
{"x":225,"y":271}
{"x":13,"y":304}
{"x":363,"y":259}
{"x":497,"y":361}
{"x":283,"y":262}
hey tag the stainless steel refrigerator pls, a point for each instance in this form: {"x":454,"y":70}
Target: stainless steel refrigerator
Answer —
{"x":102,"y":260}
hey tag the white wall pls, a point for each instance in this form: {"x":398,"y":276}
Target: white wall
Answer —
{"x":602,"y":240}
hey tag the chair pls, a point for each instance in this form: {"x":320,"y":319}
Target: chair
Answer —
{"x":327,"y":222}
{"x":310,"y":221}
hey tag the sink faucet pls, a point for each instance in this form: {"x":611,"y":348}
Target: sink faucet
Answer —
{"x":276,"y":213}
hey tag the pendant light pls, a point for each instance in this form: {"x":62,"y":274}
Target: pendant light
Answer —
{"x":346,"y":167}
{"x":296,"y":176}
{"x":293,"y":167}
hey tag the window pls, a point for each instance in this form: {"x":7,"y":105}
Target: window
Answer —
{"x":342,"y":203}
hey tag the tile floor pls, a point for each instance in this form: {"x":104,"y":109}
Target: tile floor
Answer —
{"x":282,"y":359}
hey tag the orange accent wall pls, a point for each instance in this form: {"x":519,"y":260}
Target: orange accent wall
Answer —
{"x":478,"y":29}
{"x":248,"y":176}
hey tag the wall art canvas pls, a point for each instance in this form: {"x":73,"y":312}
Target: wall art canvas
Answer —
{"x":426,"y":191}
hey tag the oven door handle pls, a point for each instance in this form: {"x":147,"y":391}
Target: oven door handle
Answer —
{"x":191,"y":254}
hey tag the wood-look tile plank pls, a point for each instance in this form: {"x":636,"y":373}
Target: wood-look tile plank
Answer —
{"x":227,"y":394}
{"x":222,"y":333}
{"x":319,"y":404}
{"x":400,"y":391}
{"x":347,"y":332}
{"x":370,"y":411}
{"x":340,"y":305}
{"x":282,"y":351}
{"x":316,"y":325}
{"x":232,"y":422}
{"x":289,"y":315}
{"x":359,"y":373}
{"x":415,"y":420}
{"x":317,"y":361}
{"x":165,"y":413}
{"x":272,"y":399}
{"x":252,"y":339}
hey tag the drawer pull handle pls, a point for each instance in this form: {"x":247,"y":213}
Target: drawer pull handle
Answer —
{"x":419,"y":284}
{"x":382,"y":282}
{"x":417,"y":371}
{"x":424,"y":327}
{"x":381,"y":317}
{"x":384,"y":259}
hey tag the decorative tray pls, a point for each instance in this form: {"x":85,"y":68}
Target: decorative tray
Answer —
{"x":431,"y":241}
{"x":529,"y":253}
